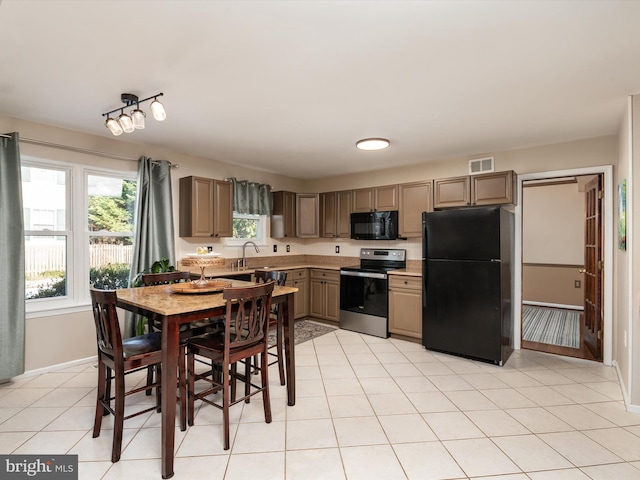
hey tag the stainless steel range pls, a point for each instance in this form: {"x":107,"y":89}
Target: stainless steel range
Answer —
{"x":363,"y":291}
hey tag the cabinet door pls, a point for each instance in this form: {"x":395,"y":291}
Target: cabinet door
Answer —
{"x":405,"y":306}
{"x":328,"y":211}
{"x":301,"y":304}
{"x":386,"y":198}
{"x":451,"y":192}
{"x":343,"y":210}
{"x":299,"y":278}
{"x":196,"y":203}
{"x":307,"y":215}
{"x":332,"y":301}
{"x":283,"y":217}
{"x":363,"y":200}
{"x":222,"y":209}
{"x":493,"y":188}
{"x":316,"y":301}
{"x":415,"y":198}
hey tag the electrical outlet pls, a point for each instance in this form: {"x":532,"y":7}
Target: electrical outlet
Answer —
{"x":337,"y":248}
{"x":209,"y":248}
{"x":288,"y":248}
{"x":577,"y":284}
{"x":275,"y":248}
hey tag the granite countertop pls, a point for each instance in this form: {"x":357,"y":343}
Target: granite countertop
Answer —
{"x":227,"y":272}
{"x":414,"y":267}
{"x":407,"y":272}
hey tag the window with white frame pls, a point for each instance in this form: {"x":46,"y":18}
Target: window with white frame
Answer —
{"x":110,"y":202}
{"x":46,"y":194}
{"x":248,"y":227}
{"x":69,"y":243}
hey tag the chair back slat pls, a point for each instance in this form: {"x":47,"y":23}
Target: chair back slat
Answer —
{"x":105,"y":316}
{"x":247,"y":314}
{"x":164,"y":278}
{"x":264,"y":276}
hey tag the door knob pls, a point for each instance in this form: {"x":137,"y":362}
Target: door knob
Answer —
{"x":582,"y":270}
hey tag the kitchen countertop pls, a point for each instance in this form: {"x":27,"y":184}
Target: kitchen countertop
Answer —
{"x":407,"y":272}
{"x":228,"y":272}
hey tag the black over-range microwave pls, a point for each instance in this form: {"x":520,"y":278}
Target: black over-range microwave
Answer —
{"x":375,"y":225}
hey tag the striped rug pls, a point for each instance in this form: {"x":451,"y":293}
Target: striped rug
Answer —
{"x":551,"y":325}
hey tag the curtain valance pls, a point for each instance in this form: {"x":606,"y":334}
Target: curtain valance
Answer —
{"x":251,"y":198}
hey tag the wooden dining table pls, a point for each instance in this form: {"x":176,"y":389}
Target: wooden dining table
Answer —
{"x":174,"y":309}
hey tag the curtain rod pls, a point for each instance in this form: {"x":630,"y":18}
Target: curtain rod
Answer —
{"x":77,"y":149}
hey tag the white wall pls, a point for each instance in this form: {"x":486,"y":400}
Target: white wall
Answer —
{"x":622,"y":285}
{"x":553,"y":224}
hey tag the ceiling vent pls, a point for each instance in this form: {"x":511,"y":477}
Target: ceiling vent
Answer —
{"x":480,"y":165}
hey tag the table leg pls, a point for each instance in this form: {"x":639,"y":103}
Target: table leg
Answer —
{"x":288,"y":321}
{"x":169,"y":382}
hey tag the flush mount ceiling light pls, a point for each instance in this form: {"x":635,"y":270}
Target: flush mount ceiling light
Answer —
{"x":128,"y":123}
{"x":372,"y":143}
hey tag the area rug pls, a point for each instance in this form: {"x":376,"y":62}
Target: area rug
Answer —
{"x":304,"y":330}
{"x":551,"y":325}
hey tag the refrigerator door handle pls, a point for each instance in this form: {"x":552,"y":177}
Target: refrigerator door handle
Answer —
{"x":424,"y":290}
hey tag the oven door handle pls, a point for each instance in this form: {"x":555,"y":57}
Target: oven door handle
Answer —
{"x":364,"y":274}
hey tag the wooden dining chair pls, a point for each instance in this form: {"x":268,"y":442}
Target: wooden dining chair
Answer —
{"x":187,"y":330}
{"x":245,"y":335}
{"x":275,"y":320}
{"x":117,"y":358}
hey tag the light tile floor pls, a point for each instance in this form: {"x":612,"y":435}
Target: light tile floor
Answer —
{"x":367,"y":408}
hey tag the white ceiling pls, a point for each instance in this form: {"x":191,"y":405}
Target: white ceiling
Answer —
{"x":289,"y":86}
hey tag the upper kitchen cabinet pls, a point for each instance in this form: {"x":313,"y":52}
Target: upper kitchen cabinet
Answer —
{"x":222,"y":209}
{"x":415,"y":198}
{"x":206,"y":207}
{"x":495,"y":188}
{"x":307,"y":215}
{"x":375,"y":198}
{"x":335,"y":211}
{"x":283,"y":216}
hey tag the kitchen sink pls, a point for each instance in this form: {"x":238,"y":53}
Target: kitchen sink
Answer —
{"x":245,"y":276}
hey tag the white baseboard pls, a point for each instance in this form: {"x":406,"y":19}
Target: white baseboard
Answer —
{"x":55,"y":368}
{"x":553,"y":305}
{"x":630,"y":407}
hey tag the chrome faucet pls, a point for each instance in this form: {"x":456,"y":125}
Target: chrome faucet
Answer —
{"x":244,"y":257}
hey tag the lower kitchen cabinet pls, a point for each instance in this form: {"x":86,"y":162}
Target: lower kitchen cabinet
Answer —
{"x":299,"y":279}
{"x":405,"y":305}
{"x":325,"y":294}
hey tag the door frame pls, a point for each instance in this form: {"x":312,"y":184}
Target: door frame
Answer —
{"x":607,"y":250}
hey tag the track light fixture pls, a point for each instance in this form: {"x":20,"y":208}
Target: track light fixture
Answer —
{"x":128,"y":123}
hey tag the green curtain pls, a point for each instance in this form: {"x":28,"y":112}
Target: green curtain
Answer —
{"x":12,"y":299}
{"x":251,"y":198}
{"x":153,"y":237}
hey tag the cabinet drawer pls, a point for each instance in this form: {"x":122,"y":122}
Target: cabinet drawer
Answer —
{"x":328,"y":275}
{"x":401,"y":281}
{"x":296,"y":274}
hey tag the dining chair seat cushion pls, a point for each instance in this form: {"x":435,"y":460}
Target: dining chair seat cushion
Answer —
{"x":149,"y":342}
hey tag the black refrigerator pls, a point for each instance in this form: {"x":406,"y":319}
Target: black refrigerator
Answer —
{"x":467,"y":297}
